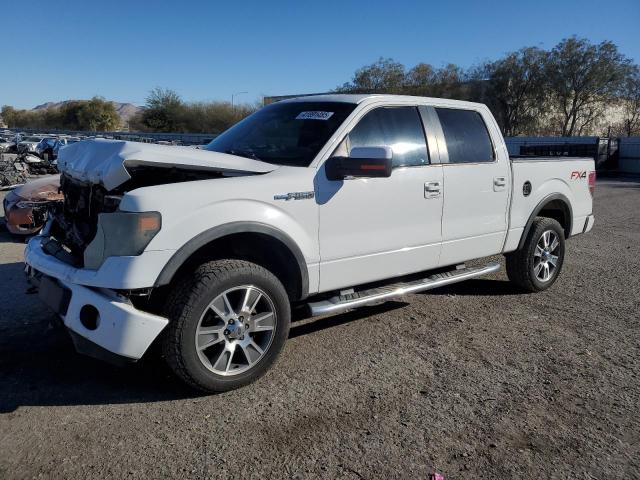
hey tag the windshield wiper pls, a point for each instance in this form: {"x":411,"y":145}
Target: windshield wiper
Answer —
{"x":243,"y":153}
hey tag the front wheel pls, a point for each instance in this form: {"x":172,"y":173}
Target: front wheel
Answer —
{"x":536,"y":266}
{"x":228,"y":322}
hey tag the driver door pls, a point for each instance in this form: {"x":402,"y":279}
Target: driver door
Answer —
{"x":378,"y":228}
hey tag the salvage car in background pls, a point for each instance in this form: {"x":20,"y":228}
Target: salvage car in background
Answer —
{"x":25,"y":208}
{"x":50,"y":147}
{"x":29,"y":144}
{"x":6,"y":144}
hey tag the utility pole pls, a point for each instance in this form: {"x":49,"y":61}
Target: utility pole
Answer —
{"x":233,"y":95}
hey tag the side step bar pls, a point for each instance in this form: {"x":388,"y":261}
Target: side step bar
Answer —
{"x":341,"y":303}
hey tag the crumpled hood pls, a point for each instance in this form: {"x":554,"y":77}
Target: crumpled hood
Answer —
{"x":105,"y":161}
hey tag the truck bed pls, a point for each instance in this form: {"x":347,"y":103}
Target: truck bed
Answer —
{"x":549,"y":177}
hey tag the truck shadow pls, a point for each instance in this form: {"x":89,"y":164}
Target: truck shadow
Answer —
{"x":478,"y":287}
{"x":39,"y":365}
{"x":303,"y":324}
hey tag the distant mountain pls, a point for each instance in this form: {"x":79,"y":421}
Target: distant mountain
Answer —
{"x":125,"y":110}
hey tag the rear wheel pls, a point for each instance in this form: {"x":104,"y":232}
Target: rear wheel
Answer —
{"x":228,"y":323}
{"x":536,"y":266}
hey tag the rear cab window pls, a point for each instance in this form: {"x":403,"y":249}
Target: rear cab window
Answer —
{"x":466,"y":136}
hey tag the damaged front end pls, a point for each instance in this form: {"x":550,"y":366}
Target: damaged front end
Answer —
{"x":74,"y":222}
{"x":88,"y":226}
{"x":94,"y":261}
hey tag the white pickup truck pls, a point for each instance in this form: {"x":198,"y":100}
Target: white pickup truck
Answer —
{"x":332,"y":201}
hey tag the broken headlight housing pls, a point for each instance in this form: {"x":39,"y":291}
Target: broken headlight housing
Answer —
{"x":121,"y":234}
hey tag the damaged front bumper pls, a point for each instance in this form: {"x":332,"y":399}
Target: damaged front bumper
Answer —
{"x":103,"y":323}
{"x":116,"y":273}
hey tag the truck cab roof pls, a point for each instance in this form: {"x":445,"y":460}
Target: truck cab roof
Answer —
{"x":385,"y":98}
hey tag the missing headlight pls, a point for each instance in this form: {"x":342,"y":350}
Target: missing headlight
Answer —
{"x":121,"y":234}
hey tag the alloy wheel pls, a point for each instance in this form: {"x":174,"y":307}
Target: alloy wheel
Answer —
{"x":236,"y":330}
{"x":545,"y":256}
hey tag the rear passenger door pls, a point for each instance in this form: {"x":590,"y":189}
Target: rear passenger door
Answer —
{"x":476,"y":187}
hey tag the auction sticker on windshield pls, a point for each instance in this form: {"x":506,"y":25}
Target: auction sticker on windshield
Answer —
{"x":314,"y":115}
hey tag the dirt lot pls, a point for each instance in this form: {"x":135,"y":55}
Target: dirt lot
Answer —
{"x":475,"y":380}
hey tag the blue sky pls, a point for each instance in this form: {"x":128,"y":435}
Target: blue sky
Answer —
{"x":208,"y":51}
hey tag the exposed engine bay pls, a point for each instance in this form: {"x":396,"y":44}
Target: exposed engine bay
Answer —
{"x":75,"y":220}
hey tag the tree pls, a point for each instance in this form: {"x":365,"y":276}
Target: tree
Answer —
{"x":450,"y":82}
{"x":8,"y":115}
{"x":164,"y":111}
{"x":68,"y":114}
{"x":516,"y":90}
{"x":420,"y":80}
{"x":425,"y":80}
{"x":582,"y":77}
{"x":389,"y":76}
{"x":207,"y":117}
{"x":630,"y":100}
{"x":383,"y":76}
{"x":97,"y":114}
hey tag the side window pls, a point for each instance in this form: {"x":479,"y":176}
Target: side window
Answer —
{"x":397,"y":127}
{"x":466,"y":135}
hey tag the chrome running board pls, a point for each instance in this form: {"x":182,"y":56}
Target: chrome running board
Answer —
{"x":341,"y":303}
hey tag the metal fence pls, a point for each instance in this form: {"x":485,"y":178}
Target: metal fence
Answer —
{"x":514,"y":144}
{"x":182,"y":138}
{"x":629,"y":155}
{"x":602,"y":150}
{"x":630,"y":147}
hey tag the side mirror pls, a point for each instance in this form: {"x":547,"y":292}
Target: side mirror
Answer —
{"x":362,"y":162}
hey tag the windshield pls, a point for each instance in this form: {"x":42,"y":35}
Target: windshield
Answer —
{"x":289,"y":133}
{"x":32,"y":139}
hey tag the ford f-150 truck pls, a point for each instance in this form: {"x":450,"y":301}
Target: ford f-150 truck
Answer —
{"x":333,"y":201}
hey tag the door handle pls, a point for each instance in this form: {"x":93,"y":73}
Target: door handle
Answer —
{"x":431,"y":189}
{"x":499,"y":183}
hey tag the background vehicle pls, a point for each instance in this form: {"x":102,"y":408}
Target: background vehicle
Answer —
{"x":6,"y":143}
{"x":333,"y":201}
{"x":26,"y":207}
{"x":51,"y":146}
{"x":28,"y":144}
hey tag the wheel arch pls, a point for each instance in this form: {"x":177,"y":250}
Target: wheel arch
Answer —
{"x":556,"y":206}
{"x":267,"y":246}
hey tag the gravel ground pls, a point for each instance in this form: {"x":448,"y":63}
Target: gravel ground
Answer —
{"x":474,"y":380}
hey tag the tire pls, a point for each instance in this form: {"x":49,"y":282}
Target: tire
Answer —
{"x":527,"y":267}
{"x":207,"y":342}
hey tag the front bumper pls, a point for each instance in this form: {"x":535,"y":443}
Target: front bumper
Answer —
{"x":116,"y":273}
{"x":106,"y":322}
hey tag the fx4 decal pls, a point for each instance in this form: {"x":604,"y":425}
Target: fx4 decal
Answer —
{"x":578,"y":175}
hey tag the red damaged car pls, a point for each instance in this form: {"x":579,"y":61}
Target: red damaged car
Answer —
{"x":25,"y":207}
